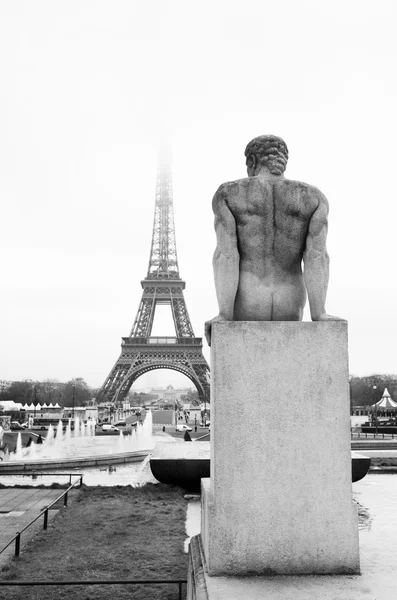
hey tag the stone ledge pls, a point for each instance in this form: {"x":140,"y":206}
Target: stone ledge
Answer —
{"x":196,"y":584}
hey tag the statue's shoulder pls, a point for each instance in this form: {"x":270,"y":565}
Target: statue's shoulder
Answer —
{"x":230,"y":188}
{"x":306,"y":190}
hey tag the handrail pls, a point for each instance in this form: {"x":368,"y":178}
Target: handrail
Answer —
{"x":372,"y":435}
{"x":180,"y":582}
{"x":17,"y":537}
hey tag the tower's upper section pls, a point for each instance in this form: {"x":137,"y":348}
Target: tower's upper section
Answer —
{"x":163,"y":261}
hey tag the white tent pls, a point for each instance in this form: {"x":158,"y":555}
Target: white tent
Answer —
{"x":386,"y":401}
{"x":10,"y":405}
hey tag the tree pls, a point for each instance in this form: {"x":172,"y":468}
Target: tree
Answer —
{"x":365,"y":391}
{"x":21,"y":391}
{"x":76,"y":392}
{"x":361,"y":394}
{"x":5,"y":394}
{"x":142,"y":399}
{"x":49,"y":390}
{"x":191,"y":397}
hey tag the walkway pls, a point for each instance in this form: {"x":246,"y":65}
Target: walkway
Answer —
{"x":18,"y":506}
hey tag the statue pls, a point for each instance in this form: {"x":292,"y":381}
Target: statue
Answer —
{"x":266,"y":225}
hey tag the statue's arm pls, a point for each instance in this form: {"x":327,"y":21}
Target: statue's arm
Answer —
{"x":226,"y":257}
{"x":316,"y":262}
{"x":226,"y":261}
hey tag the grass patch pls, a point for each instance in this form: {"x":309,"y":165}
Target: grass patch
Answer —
{"x":107,"y":533}
{"x":41,"y":486}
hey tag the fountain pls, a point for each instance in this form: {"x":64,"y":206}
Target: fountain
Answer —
{"x":79,"y":447}
{"x":18,"y":449}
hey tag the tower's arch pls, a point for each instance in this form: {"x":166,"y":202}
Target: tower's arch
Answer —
{"x":141,"y":355}
{"x":134,"y":374}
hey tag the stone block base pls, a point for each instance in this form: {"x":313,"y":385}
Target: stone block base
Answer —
{"x":280,"y":497}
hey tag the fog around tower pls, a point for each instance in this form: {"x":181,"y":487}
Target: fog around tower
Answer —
{"x":86,"y":89}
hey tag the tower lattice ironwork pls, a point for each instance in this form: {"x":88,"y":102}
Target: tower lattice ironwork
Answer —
{"x":140,"y":352}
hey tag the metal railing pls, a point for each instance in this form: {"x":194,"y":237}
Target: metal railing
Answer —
{"x":179,"y":582}
{"x":44,"y":512}
{"x":377,"y":436}
{"x":163,"y":340}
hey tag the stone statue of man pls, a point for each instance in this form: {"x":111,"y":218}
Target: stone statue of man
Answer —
{"x":266,"y":225}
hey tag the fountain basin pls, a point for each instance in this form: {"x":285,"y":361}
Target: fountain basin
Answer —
{"x":72,"y":462}
{"x":185,"y":464}
{"x":360,"y":466}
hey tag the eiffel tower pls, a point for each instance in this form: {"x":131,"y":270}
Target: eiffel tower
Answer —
{"x":140,"y":352}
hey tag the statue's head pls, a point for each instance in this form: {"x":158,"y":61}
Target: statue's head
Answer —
{"x":266,"y":151}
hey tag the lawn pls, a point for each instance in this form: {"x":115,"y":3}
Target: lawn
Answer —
{"x":107,"y":533}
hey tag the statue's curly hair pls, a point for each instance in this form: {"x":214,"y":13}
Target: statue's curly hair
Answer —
{"x":270,"y":151}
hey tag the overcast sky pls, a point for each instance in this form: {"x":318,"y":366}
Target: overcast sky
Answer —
{"x":85,"y":88}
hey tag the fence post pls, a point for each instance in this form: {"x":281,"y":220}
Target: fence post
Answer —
{"x":45,"y":519}
{"x":81,"y":481}
{"x":180,"y":590}
{"x":17,"y":543}
{"x":70,"y":479}
{"x":65,"y":499}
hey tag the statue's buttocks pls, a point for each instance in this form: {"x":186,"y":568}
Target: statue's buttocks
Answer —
{"x":266,"y":227}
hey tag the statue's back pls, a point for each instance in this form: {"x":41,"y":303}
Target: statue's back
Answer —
{"x":271,"y":242}
{"x":272,"y":219}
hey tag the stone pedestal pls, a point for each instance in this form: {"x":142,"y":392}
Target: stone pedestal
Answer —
{"x":279,"y":500}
